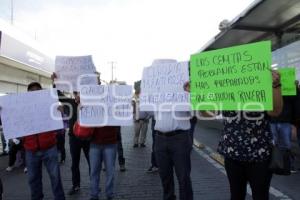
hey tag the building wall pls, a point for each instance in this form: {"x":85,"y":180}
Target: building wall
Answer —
{"x":13,"y":80}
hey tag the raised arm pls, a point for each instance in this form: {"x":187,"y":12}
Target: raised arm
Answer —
{"x":277,"y":97}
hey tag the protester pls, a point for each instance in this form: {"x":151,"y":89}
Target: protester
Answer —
{"x":281,"y":127}
{"x":15,"y":147}
{"x":121,"y":158}
{"x":66,"y":114}
{"x":61,"y":145}
{"x":141,"y":122}
{"x":3,"y":141}
{"x":296,"y":110}
{"x":246,"y":145}
{"x":76,"y":144}
{"x":41,"y":149}
{"x":153,"y":168}
{"x":103,"y":149}
{"x":173,"y":150}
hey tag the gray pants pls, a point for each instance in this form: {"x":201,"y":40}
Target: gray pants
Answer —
{"x":174,"y":152}
{"x":140,"y":131}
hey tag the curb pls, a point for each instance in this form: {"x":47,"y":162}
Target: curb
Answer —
{"x":213,"y":154}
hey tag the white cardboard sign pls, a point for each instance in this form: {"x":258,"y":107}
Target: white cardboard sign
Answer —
{"x":162,"y":87}
{"x":30,"y":113}
{"x":73,"y":71}
{"x":106,"y":105}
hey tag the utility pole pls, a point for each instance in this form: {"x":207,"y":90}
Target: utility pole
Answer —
{"x":12,"y":12}
{"x":112,"y":69}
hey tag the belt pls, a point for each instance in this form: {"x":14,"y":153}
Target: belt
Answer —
{"x":169,"y":134}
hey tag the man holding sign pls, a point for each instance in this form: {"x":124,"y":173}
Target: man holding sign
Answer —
{"x":40,"y":147}
{"x":173,"y":143}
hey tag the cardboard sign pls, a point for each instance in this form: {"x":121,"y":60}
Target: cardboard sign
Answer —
{"x":74,"y":71}
{"x":30,"y":113}
{"x":287,"y":79}
{"x":109,"y":105}
{"x":235,"y":78}
{"x":162,"y":87}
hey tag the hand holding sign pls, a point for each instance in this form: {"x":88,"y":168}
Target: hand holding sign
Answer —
{"x":275,"y":78}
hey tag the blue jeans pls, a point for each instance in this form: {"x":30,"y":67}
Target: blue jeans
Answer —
{"x":34,"y":162}
{"x":282,"y":134}
{"x":99,"y":153}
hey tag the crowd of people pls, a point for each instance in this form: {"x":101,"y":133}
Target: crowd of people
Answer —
{"x":246,"y":144}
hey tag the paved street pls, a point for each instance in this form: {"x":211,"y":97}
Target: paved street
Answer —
{"x":209,"y":180}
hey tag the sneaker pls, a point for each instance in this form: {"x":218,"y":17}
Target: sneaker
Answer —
{"x":135,"y":145}
{"x":152,"y":169}
{"x":122,"y":168}
{"x":142,"y":145}
{"x":9,"y":169}
{"x":25,"y":170}
{"x":74,"y":190}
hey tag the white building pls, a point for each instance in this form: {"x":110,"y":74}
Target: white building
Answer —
{"x":21,"y":64}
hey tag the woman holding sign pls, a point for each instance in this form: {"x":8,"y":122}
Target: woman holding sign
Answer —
{"x":246,"y":145}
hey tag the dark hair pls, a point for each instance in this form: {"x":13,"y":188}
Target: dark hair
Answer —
{"x":34,"y":84}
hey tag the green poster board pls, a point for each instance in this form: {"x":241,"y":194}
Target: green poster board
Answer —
{"x":235,"y":78}
{"x":287,"y":79}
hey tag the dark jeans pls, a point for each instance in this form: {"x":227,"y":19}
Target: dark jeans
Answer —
{"x":61,"y":144}
{"x":120,"y":149}
{"x":34,"y":161}
{"x":257,"y":174}
{"x":174,"y":152}
{"x":153,"y":160}
{"x":75,"y":149}
{"x":14,"y":148}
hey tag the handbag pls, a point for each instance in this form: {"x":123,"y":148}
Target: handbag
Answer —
{"x":83,"y":133}
{"x":280,"y":161}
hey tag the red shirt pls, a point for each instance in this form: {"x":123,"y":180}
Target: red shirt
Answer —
{"x":41,"y":141}
{"x":105,"y":135}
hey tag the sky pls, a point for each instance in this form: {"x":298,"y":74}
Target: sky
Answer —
{"x":131,"y":33}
